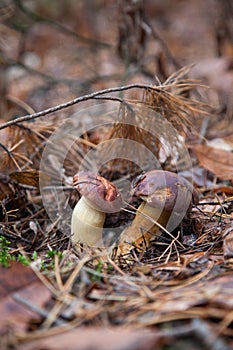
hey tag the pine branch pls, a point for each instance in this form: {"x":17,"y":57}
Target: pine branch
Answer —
{"x":70,"y":103}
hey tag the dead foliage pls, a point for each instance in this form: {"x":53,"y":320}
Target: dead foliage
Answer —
{"x":19,"y":285}
{"x":207,"y":156}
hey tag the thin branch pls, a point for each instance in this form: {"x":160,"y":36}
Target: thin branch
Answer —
{"x":75,"y":101}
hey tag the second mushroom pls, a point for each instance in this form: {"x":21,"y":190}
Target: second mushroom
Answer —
{"x":166,"y":199}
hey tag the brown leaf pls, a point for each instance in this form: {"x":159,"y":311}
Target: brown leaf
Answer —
{"x":223,"y":189}
{"x":22,"y":280}
{"x":223,"y":286}
{"x":98,"y":339}
{"x":218,"y":161}
{"x":228,"y":243}
{"x":9,"y":282}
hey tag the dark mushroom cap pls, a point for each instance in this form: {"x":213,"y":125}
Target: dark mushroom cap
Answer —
{"x":102,"y":193}
{"x":165,"y":190}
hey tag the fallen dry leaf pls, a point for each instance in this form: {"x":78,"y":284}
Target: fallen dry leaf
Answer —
{"x":228,"y":243}
{"x":229,"y":140}
{"x":218,"y":161}
{"x":22,"y":280}
{"x":221,"y":143}
{"x":15,"y":278}
{"x":98,"y":339}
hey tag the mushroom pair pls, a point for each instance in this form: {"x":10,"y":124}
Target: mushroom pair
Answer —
{"x":166,"y":199}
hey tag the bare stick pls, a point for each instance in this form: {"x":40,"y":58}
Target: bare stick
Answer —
{"x":75,"y":101}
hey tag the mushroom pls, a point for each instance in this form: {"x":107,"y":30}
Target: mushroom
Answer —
{"x":99,"y":196}
{"x":166,"y":199}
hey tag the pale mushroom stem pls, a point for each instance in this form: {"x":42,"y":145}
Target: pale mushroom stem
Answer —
{"x":143,"y":228}
{"x":87,"y":224}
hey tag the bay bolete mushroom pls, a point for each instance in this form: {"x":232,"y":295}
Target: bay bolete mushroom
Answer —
{"x":99,"y":196}
{"x":166,"y":199}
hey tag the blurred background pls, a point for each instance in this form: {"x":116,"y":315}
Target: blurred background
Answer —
{"x":53,"y":51}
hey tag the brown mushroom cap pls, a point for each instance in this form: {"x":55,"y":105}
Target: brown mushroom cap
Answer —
{"x":100,"y":192}
{"x":165,"y":190}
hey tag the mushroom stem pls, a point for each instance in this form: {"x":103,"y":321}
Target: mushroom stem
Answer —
{"x":143,"y":228}
{"x":87,"y":224}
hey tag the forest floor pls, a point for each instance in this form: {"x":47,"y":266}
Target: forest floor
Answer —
{"x":159,"y":74}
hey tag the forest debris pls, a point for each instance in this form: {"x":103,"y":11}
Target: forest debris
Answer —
{"x":228,"y":243}
{"x":12,"y":198}
{"x":22,"y":280}
{"x":221,"y":143}
{"x":99,"y":339}
{"x":195,"y":333}
{"x":23,"y":146}
{"x":30,"y":177}
{"x":218,"y":161}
